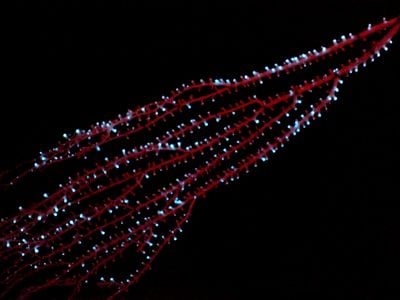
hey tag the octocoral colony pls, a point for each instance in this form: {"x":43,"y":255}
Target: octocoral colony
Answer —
{"x":140,"y":174}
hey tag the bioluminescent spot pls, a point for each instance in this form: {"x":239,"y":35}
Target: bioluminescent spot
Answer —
{"x":131,"y":182}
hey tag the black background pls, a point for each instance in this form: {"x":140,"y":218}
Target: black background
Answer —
{"x":321,"y":219}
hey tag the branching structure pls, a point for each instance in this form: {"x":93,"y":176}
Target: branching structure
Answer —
{"x":139,"y":175}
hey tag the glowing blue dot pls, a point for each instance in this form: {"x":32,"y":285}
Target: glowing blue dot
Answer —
{"x":178,"y":201}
